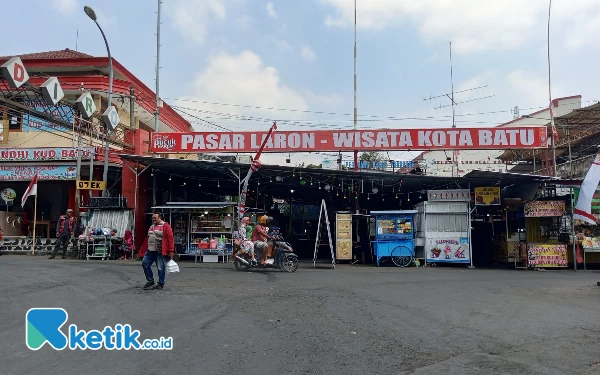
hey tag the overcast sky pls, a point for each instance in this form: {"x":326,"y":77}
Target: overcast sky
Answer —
{"x":297,"y":55}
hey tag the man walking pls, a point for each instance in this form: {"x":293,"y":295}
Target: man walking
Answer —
{"x":64,"y":230}
{"x":161,"y":245}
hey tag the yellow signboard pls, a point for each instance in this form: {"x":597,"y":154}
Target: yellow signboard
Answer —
{"x":90,"y":185}
{"x":547,"y":255}
{"x":487,"y":196}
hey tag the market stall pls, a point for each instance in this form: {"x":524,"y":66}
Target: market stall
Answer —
{"x":202,"y":230}
{"x":545,"y":226}
{"x":443,"y":227}
{"x":395,"y":236}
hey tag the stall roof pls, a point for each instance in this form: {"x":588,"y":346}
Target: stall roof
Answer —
{"x":397,"y":212}
{"x":179,"y":205}
{"x":202,"y":169}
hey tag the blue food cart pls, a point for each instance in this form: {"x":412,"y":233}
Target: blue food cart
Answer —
{"x":395,"y":236}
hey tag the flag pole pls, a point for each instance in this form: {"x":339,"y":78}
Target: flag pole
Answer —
{"x":34,"y":221}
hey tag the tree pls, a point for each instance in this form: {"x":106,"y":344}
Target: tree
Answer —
{"x":314,"y":166}
{"x":372,"y":157}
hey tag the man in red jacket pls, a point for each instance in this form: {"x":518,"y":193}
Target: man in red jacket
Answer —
{"x":161,"y":245}
{"x":65,"y":226}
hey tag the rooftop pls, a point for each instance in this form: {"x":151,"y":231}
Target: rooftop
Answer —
{"x":52,"y":55}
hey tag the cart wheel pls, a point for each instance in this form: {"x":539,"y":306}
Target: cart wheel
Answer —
{"x":402,"y":256}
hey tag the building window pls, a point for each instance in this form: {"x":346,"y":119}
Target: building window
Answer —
{"x":14,"y":120}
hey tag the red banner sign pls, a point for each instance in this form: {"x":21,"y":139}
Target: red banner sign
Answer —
{"x":336,"y":140}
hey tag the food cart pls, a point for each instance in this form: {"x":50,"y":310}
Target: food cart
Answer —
{"x":443,"y":228}
{"x":395,"y":237}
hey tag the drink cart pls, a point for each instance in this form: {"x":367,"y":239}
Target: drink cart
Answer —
{"x":395,"y":236}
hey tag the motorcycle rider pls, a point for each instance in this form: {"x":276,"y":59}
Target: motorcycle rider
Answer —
{"x":242,"y":239}
{"x":260,"y":237}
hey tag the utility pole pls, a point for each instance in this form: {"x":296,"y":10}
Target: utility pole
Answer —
{"x":355,"y":99}
{"x":157,"y":104}
{"x":552,"y":127}
{"x":131,"y":107}
{"x":454,"y":158}
{"x":77,"y":129}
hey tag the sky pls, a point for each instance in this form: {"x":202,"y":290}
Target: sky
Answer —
{"x":224,"y":59}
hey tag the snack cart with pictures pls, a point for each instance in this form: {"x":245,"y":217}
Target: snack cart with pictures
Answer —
{"x":394,"y":237}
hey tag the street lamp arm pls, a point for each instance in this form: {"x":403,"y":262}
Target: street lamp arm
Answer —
{"x":92,"y":16}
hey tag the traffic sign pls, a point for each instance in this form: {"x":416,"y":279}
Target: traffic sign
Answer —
{"x":90,"y":185}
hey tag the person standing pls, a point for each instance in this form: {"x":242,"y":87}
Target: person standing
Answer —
{"x":161,"y":245}
{"x":64,"y":230}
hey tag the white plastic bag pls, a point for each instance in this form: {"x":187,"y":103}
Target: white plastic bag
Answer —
{"x":172,"y":266}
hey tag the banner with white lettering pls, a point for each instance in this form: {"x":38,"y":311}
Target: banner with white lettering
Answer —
{"x":335,"y":140}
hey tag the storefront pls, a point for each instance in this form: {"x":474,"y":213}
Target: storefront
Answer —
{"x":202,"y":231}
{"x":57,"y":172}
{"x":547,"y":230}
{"x":293,"y":197}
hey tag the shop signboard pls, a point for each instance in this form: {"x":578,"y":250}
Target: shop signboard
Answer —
{"x":448,"y":250}
{"x":8,"y":195}
{"x":547,"y":255}
{"x":45,"y":172}
{"x":385,"y":164}
{"x":487,"y":196}
{"x":350,"y":140}
{"x":544,"y":208}
{"x":91,"y":185}
{"x":43,"y":154}
{"x":452,"y":195}
{"x":33,"y":123}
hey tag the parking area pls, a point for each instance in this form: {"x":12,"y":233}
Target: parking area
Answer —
{"x":351,"y":320}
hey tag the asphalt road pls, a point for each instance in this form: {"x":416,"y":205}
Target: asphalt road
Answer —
{"x":352,"y":320}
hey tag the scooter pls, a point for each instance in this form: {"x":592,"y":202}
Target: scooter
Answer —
{"x":284,"y":260}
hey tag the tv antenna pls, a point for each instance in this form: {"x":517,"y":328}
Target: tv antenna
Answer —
{"x":454,"y":103}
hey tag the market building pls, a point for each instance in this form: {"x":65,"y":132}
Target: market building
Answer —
{"x":39,"y":138}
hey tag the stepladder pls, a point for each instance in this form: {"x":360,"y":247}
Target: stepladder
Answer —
{"x":323,"y":220}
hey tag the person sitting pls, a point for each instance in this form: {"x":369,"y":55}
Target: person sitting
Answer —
{"x":260,"y":236}
{"x":246,"y":246}
{"x":127,"y":246}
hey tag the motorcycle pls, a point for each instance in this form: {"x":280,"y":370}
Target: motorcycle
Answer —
{"x":284,"y":260}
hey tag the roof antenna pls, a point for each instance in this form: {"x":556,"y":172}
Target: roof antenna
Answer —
{"x":77,"y":38}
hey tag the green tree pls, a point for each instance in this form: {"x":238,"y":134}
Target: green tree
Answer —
{"x":372,"y":157}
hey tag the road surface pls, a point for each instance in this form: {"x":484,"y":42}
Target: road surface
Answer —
{"x":352,"y":320}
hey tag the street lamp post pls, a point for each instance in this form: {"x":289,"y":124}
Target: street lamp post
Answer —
{"x":90,"y":13}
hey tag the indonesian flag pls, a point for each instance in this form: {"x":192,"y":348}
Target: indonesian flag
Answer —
{"x":583,"y":210}
{"x":31,"y":190}
{"x":256,"y":164}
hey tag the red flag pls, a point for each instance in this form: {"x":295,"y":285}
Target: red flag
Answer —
{"x":255,"y":166}
{"x":31,"y":190}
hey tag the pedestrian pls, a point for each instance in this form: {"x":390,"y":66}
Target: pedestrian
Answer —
{"x":64,"y":230}
{"x":161,"y":246}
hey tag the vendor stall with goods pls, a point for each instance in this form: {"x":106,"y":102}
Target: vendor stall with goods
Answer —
{"x":203,"y":231}
{"x":547,"y":228}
